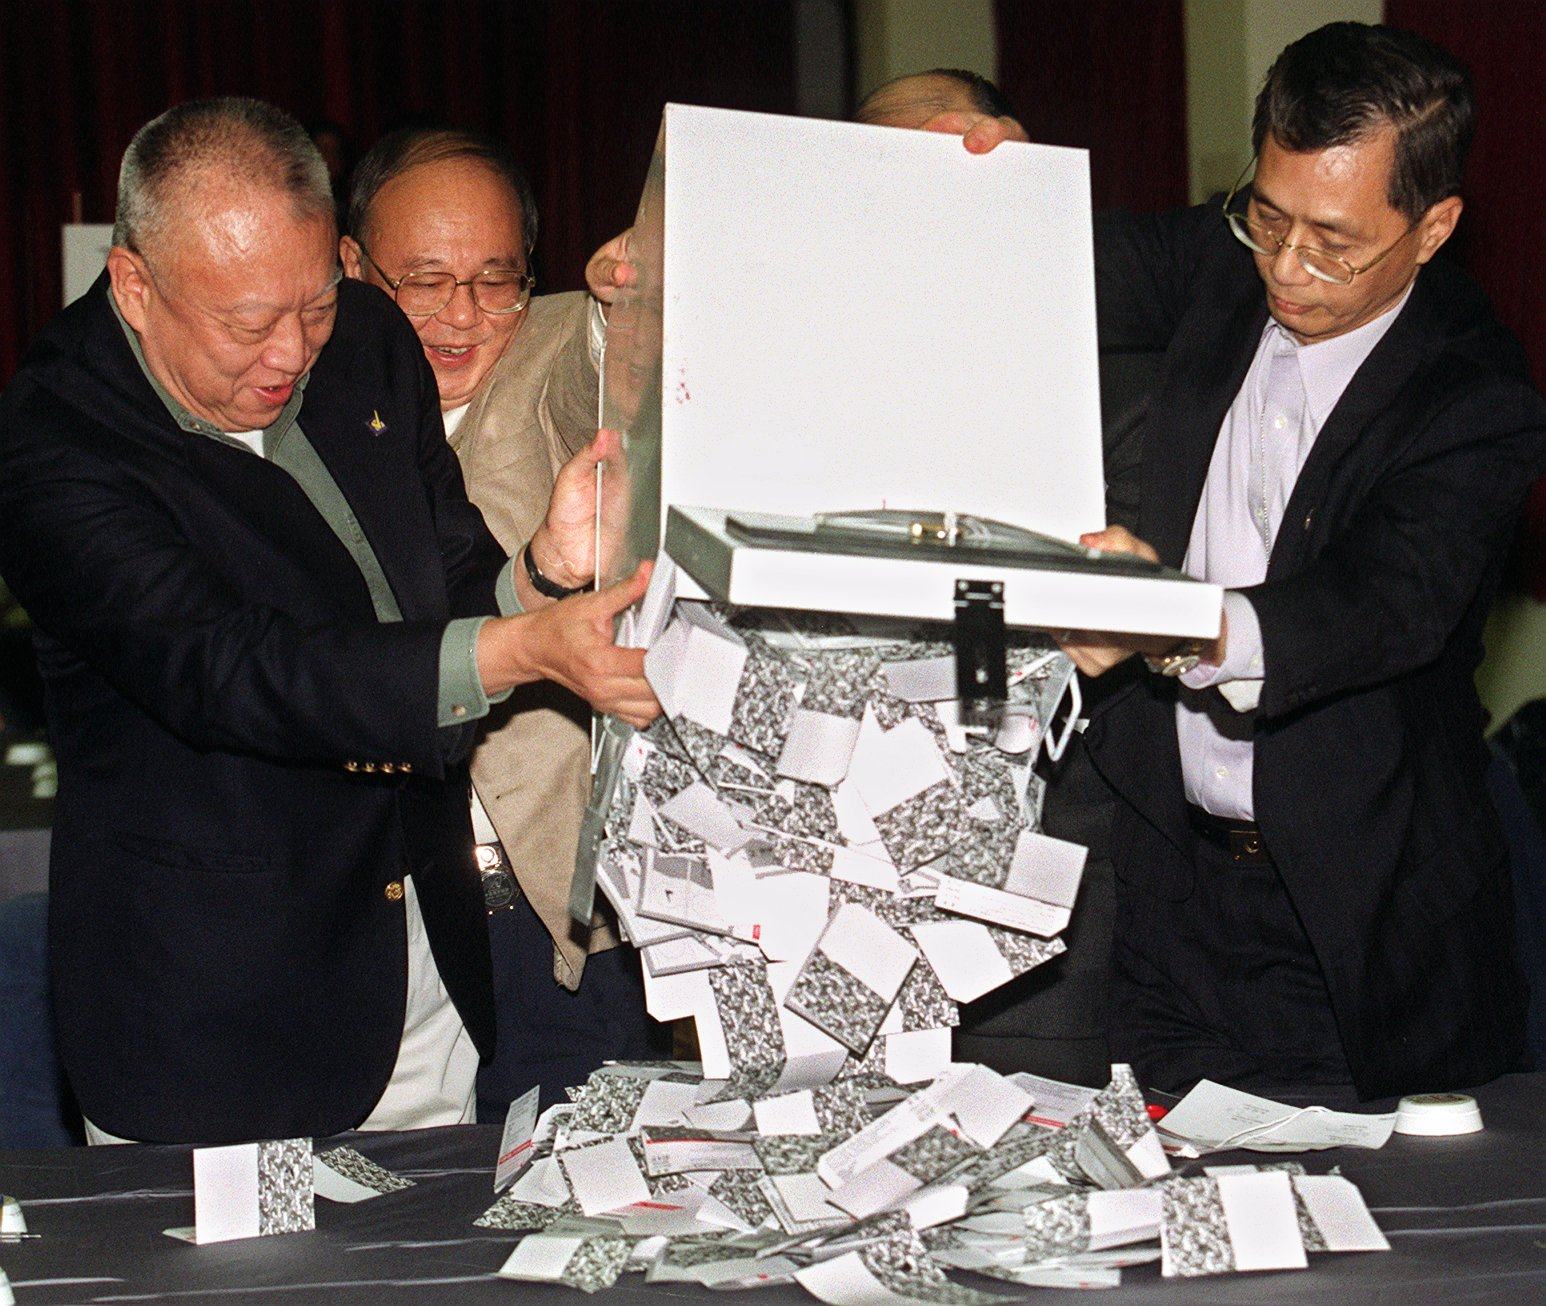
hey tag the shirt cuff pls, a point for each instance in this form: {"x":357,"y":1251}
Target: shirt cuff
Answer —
{"x":1243,"y":653}
{"x":504,"y":589}
{"x":598,"y":332}
{"x":461,"y":688}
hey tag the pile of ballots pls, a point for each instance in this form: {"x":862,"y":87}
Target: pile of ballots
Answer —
{"x":819,"y":855}
{"x":869,"y":1193}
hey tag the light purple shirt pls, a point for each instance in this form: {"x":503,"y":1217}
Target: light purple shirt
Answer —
{"x":1268,"y":432}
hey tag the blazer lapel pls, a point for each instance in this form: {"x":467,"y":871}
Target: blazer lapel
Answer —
{"x":1201,"y":382}
{"x":371,"y":458}
{"x":121,"y":401}
{"x":1371,"y":392}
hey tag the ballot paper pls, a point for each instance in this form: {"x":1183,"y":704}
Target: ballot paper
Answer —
{"x":1081,"y":1222}
{"x":852,"y":976}
{"x":896,"y":1187}
{"x":1333,"y":1216}
{"x":589,"y":1260}
{"x":1014,"y":910}
{"x":516,"y":1142}
{"x":251,"y":1190}
{"x":1213,"y":1117}
{"x":893,"y":1270}
{"x":1219,"y":1225}
{"x":604,"y":1176}
{"x":344,"y":1175}
{"x":1055,"y":1103}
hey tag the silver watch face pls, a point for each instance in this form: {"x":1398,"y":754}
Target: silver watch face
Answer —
{"x":1179,"y":664}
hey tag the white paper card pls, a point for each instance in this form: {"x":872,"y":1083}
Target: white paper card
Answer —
{"x":1055,"y":1102}
{"x":818,"y":747}
{"x":515,"y":1143}
{"x":788,"y":1113}
{"x":917,"y":1055}
{"x":891,"y":766}
{"x":868,"y":949}
{"x":699,"y":811}
{"x":1337,"y":1209}
{"x":251,"y":1190}
{"x":1047,"y":869}
{"x":1213,"y":1116}
{"x":927,"y":680}
{"x":695,"y":668}
{"x":963,"y":956}
{"x":985,"y":1104}
{"x":1263,"y":1225}
{"x":1029,"y":915}
{"x":604,"y":1176}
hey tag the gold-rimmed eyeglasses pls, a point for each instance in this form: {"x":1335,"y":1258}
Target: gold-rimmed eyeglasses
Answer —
{"x":1270,"y":238}
{"x":423,"y":294}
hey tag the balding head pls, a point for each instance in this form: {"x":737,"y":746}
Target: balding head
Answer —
{"x":196,"y":154}
{"x":913,"y":100}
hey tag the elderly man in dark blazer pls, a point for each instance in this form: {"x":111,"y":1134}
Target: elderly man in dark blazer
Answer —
{"x":267,"y":622}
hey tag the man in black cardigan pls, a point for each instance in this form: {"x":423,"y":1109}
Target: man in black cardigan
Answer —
{"x":266,"y":621}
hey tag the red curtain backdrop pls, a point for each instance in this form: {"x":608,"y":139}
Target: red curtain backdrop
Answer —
{"x":575,"y":86}
{"x":1502,"y":234}
{"x":1107,"y":75}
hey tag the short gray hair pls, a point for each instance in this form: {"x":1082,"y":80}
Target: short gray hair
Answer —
{"x":254,"y":142}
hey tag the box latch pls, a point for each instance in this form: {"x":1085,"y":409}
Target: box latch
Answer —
{"x":982,"y":680}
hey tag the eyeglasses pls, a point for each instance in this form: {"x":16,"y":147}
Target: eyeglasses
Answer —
{"x":1267,"y":238}
{"x":423,"y":294}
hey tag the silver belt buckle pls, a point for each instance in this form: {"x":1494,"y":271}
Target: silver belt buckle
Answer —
{"x":499,"y":886}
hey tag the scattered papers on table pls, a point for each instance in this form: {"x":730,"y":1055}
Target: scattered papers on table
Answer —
{"x":869,"y":1192}
{"x":818,"y":861}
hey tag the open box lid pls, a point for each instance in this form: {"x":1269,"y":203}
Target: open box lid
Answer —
{"x":832,"y":317}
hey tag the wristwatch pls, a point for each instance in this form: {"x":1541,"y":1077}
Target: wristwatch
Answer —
{"x":540,"y":583}
{"x":1178,"y":661}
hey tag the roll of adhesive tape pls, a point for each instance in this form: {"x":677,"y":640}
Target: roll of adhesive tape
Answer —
{"x":1438,"y":1115}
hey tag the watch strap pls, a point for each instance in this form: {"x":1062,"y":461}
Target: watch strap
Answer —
{"x":540,"y":583}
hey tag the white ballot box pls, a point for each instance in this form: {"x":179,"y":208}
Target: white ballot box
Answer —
{"x":834,"y":320}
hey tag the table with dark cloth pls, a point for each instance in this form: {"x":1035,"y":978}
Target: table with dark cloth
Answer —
{"x":1466,"y":1218}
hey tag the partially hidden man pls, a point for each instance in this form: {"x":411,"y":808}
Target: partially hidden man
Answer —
{"x":269,"y":627}
{"x":444,"y":221}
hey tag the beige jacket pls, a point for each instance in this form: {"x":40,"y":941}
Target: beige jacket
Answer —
{"x":536,"y":409}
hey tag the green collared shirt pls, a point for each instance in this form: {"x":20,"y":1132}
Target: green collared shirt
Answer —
{"x":461,"y":696}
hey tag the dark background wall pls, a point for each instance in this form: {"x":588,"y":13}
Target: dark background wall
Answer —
{"x":576,"y":86}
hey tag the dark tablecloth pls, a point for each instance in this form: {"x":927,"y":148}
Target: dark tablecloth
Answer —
{"x":1466,"y":1218}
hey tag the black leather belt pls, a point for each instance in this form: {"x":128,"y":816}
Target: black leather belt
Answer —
{"x":500,"y":889}
{"x":1240,"y":839}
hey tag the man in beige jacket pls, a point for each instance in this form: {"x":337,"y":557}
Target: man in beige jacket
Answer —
{"x":444,"y":221}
